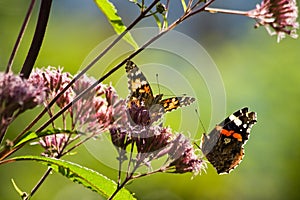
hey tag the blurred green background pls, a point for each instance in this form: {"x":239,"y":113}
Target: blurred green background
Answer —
{"x":256,"y":70}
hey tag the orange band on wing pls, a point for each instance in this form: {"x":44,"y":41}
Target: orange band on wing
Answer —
{"x":226,"y":132}
{"x":238,"y":136}
{"x":232,"y":133}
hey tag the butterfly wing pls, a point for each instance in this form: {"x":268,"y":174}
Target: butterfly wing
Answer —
{"x":224,"y":145}
{"x":140,"y":90}
{"x":173,"y":103}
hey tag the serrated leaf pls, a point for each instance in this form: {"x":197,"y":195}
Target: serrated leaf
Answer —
{"x":30,"y":135}
{"x":87,"y":177}
{"x":109,"y":10}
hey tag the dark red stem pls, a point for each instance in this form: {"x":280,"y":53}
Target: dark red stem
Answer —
{"x":37,"y":38}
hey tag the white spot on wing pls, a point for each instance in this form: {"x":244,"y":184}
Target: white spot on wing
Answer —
{"x":232,"y":117}
{"x":237,"y":121}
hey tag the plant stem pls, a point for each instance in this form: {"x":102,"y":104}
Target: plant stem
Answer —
{"x":201,"y":9}
{"x":37,"y":38}
{"x":119,"y":188}
{"x":77,"y":144}
{"x":226,"y":11}
{"x":148,"y":173}
{"x":128,"y":178}
{"x":130,"y":158}
{"x":20,"y":36}
{"x":39,"y":183}
{"x":120,"y":167}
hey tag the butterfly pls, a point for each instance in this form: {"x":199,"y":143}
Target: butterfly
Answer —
{"x":144,"y":107}
{"x":224,"y":145}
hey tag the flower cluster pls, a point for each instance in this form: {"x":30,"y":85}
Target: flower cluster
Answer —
{"x":185,"y":159}
{"x":98,"y":110}
{"x":93,"y":113}
{"x":278,"y":16}
{"x":178,"y":148}
{"x":153,"y":142}
{"x":54,"y":80}
{"x":54,"y":144}
{"x":19,"y":94}
{"x":16,"y":96}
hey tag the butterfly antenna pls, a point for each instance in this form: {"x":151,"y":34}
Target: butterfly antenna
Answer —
{"x":157,"y":83}
{"x":198,"y":115}
{"x":197,"y":145}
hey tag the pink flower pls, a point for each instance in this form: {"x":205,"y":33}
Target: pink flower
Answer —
{"x":184,"y":157}
{"x":278,"y":16}
{"x":153,"y":140}
{"x":54,"y":80}
{"x":54,"y":144}
{"x":16,"y":96}
{"x":94,"y":112}
{"x":19,"y":94}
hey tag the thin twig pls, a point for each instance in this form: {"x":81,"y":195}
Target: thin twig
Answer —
{"x":226,"y":11}
{"x":119,"y":188}
{"x":128,"y":178}
{"x":130,"y":158}
{"x":120,"y":166}
{"x":165,"y":17}
{"x":201,"y":9}
{"x":37,"y":38}
{"x":78,"y":144}
{"x":20,"y":36}
{"x":39,"y":183}
{"x":189,"y":6}
{"x":148,"y":173}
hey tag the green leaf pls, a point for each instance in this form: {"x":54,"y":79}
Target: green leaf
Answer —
{"x":30,"y":135}
{"x":19,"y":191}
{"x":115,"y":20}
{"x":82,"y":175}
{"x":158,"y":22}
{"x":183,"y":5}
{"x":165,"y":21}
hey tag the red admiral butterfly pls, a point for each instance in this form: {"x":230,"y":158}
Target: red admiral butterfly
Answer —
{"x":143,"y":106}
{"x":224,"y":146}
